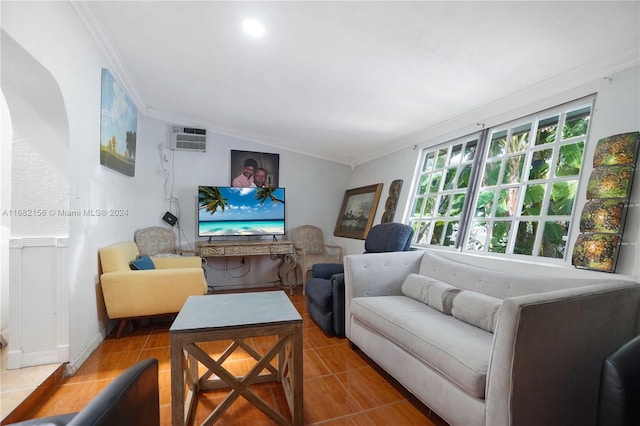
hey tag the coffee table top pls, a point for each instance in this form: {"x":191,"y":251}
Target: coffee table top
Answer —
{"x":233,"y":310}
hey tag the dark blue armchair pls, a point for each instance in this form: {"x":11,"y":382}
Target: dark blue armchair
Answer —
{"x":325,"y":289}
{"x":619,"y":399}
{"x":130,"y":399}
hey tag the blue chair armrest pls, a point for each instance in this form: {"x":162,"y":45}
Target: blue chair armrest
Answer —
{"x":132,"y":398}
{"x":326,"y":270}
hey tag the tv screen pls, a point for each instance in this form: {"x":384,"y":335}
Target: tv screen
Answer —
{"x":229,"y":211}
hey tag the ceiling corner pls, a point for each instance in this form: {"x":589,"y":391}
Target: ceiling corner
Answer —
{"x":94,"y":25}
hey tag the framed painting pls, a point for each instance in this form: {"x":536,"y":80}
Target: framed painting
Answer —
{"x":255,"y":169}
{"x":118,"y":127}
{"x":357,"y":212}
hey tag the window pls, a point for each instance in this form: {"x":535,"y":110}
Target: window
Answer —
{"x":442,"y":190}
{"x":508,"y":190}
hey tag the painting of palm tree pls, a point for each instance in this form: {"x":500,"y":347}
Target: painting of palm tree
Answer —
{"x":210,"y":199}
{"x":234,"y":211}
{"x":264,"y":194}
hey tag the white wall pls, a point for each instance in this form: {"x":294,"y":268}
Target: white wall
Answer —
{"x":5,"y":203}
{"x":398,"y":165}
{"x":37,"y":150}
{"x":314,"y":190}
{"x":54,"y":36}
{"x":617,"y":110}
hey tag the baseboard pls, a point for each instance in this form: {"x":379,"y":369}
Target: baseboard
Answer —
{"x":72,"y":366}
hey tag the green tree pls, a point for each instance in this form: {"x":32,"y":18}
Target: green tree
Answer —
{"x":264,"y":194}
{"x":211,"y":200}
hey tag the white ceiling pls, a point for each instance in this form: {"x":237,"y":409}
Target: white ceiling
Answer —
{"x":349,"y":81}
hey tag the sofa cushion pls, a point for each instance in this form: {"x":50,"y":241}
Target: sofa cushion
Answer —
{"x":142,"y":263}
{"x":477,"y":309}
{"x":455,"y":349}
{"x":427,"y":290}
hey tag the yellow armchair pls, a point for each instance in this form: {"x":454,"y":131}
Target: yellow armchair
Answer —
{"x":130,"y":294}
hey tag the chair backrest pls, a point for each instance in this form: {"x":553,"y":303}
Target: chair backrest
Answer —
{"x":619,"y":400}
{"x":116,"y":257}
{"x":308,"y":238}
{"x":387,"y":237}
{"x":155,"y":240}
{"x":131,"y":399}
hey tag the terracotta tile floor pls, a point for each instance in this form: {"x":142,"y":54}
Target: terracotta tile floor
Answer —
{"x":341,"y":386}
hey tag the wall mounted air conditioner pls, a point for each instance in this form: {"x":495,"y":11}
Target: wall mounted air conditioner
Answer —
{"x":188,"y":139}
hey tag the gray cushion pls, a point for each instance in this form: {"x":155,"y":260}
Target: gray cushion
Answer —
{"x":477,"y":309}
{"x":455,"y":349}
{"x":430,"y":291}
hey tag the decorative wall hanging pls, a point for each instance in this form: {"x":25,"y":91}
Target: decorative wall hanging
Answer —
{"x":254,"y":169}
{"x":357,"y":212}
{"x":608,"y":191}
{"x":118,"y":127}
{"x":392,"y":201}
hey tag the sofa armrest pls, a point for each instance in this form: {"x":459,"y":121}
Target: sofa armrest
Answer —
{"x":130,"y":294}
{"x":377,"y":274}
{"x":174,"y":262}
{"x":548,"y":352}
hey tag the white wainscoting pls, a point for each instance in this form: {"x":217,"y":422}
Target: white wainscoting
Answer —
{"x":39,"y":301}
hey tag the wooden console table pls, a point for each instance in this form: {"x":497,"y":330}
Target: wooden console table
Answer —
{"x":282,"y":250}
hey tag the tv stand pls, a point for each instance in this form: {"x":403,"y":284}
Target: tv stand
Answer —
{"x":282,"y":250}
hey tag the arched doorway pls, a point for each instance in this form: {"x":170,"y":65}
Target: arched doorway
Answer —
{"x":37,"y":184}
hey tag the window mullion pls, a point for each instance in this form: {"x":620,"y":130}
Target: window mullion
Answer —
{"x":473,"y":188}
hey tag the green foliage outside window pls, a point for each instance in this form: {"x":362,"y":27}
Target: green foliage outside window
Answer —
{"x":524,"y":196}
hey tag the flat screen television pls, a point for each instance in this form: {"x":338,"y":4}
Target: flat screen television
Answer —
{"x":227,"y":211}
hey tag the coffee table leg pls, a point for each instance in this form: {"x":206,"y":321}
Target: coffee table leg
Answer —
{"x":297,"y":415}
{"x":177,"y":385}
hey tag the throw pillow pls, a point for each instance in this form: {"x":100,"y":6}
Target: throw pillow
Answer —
{"x":141,"y":263}
{"x":477,"y":309}
{"x":430,"y":291}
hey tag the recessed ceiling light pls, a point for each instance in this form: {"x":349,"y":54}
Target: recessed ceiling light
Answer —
{"x":253,"y":27}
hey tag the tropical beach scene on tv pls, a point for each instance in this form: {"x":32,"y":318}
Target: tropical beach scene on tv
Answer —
{"x":229,"y":211}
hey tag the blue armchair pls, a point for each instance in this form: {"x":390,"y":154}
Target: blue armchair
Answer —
{"x":325,"y":289}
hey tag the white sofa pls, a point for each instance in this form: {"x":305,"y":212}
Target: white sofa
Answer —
{"x":540,"y":365}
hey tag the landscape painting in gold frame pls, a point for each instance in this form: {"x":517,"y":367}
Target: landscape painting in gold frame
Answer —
{"x":357,"y":212}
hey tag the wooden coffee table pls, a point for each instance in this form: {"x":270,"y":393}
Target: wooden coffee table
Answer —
{"x":236,"y":317}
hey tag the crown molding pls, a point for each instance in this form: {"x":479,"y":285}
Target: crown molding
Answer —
{"x":573,"y":84}
{"x":92,"y":22}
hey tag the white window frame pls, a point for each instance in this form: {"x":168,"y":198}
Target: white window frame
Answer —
{"x":468,"y":221}
{"x":425,"y":205}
